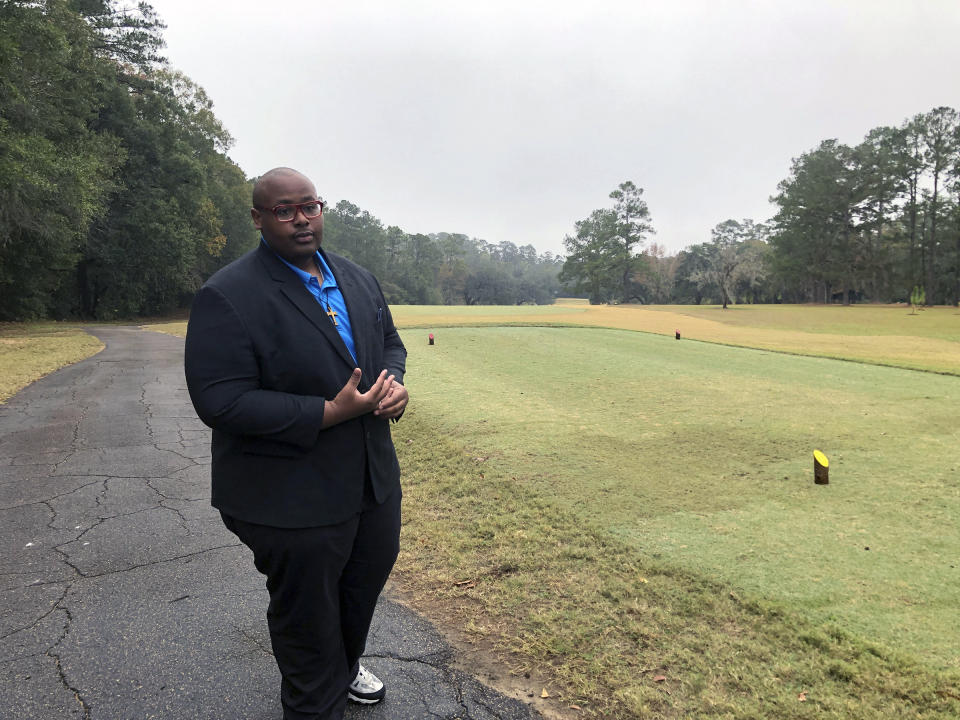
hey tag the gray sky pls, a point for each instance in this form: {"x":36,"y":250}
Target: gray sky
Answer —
{"x":512,"y":120}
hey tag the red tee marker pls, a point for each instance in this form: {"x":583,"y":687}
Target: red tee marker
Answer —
{"x":430,"y":336}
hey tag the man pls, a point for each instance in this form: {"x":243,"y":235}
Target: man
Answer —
{"x":293,"y":359}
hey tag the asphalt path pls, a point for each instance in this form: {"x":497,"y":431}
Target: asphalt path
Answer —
{"x":122,"y":597}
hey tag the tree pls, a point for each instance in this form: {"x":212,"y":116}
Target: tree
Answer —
{"x":659,"y":276}
{"x":814,"y":237}
{"x":955,"y":184}
{"x":918,"y":298}
{"x":912,"y":165}
{"x":116,"y":196}
{"x":591,"y":266}
{"x":632,"y":227}
{"x":358,"y":235}
{"x":132,"y":36}
{"x":725,"y":257}
{"x":753,"y":272}
{"x":689,"y":261}
{"x":56,"y":169}
{"x":939,"y":137}
{"x":604,"y":256}
{"x":884,"y":185}
{"x":164,"y":230}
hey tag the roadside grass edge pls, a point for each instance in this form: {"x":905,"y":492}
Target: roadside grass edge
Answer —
{"x":30,"y":351}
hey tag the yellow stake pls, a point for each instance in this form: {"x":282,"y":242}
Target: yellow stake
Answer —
{"x":821,"y":471}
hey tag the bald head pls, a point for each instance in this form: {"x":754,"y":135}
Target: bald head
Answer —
{"x":295,"y":239}
{"x":262,"y":187}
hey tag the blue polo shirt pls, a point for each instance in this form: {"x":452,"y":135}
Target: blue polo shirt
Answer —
{"x":329,"y":296}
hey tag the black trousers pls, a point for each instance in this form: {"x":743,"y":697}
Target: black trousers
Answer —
{"x":323,"y":583}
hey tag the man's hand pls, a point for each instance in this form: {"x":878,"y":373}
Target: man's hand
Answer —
{"x":350,"y":403}
{"x":393,"y":403}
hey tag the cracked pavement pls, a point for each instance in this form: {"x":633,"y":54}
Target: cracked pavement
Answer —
{"x":122,"y":596}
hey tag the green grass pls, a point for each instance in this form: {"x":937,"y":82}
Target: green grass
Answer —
{"x":881,"y":335}
{"x":559,"y":469}
{"x":29,"y":351}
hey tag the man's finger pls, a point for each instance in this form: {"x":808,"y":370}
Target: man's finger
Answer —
{"x":385,"y":390}
{"x":377,"y":385}
{"x":387,"y":404}
{"x":354,"y":378}
{"x":394,"y":403}
{"x":379,"y":390}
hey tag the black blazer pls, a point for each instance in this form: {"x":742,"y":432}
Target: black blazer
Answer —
{"x":261,"y":359}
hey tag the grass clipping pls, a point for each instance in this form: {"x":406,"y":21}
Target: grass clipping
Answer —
{"x":618,"y":634}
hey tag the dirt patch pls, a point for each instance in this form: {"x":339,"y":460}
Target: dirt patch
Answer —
{"x":480,"y":657}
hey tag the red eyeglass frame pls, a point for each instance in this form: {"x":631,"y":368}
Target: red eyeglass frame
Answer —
{"x":297,"y":207}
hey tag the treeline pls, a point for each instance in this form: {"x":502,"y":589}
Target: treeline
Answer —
{"x":117,"y":198}
{"x":441,"y":268}
{"x":879,"y":221}
{"x":874,"y":220}
{"x":608,"y":263}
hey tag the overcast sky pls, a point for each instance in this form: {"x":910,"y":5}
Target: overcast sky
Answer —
{"x":513,"y":120}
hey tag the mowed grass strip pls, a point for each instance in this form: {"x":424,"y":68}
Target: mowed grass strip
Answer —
{"x":28,"y":351}
{"x":880,"y":335}
{"x":628,"y":507}
{"x":884,"y":335}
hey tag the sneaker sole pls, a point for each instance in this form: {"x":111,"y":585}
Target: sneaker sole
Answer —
{"x":363,"y":701}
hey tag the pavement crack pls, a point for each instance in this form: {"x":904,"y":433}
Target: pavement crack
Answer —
{"x":160,"y":494}
{"x":180,"y":515}
{"x":76,"y":427}
{"x":65,"y":559}
{"x":53,"y":608}
{"x":102,"y":495}
{"x":423,"y":700}
{"x":174,"y":452}
{"x":99,"y":522}
{"x":146,"y":409}
{"x":46,"y":501}
{"x":152,"y":563}
{"x":255,"y":640}
{"x":56,"y":465}
{"x":458,"y":694}
{"x":53,"y":513}
{"x":59,"y":664}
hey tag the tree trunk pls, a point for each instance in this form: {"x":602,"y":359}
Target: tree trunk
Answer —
{"x":932,"y":263}
{"x":956,"y":274}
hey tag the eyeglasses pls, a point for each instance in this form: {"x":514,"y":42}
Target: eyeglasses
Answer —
{"x":287,"y":212}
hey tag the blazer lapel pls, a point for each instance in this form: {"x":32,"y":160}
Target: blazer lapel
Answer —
{"x":293,"y":289}
{"x":348,"y":288}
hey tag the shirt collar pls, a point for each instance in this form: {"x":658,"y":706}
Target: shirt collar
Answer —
{"x":329,"y":281}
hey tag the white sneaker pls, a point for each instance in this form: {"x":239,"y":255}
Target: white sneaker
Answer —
{"x":366,"y":688}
